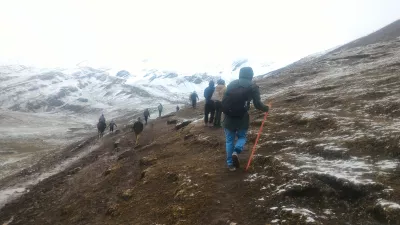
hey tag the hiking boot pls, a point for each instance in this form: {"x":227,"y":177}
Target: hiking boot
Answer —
{"x":231,"y":168}
{"x":235,"y":160}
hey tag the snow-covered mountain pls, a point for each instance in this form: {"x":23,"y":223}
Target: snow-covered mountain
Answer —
{"x":88,"y":91}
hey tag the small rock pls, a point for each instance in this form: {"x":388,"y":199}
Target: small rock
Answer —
{"x":74,"y":171}
{"x":172,"y":177}
{"x":147,"y":161}
{"x":117,"y":131}
{"x":187,"y":136}
{"x":179,"y":194}
{"x":107,"y":172}
{"x":143,"y":174}
{"x":387,"y":211}
{"x":125,"y":154}
{"x":127,"y":194}
{"x":206,"y":175}
{"x":172,"y":121}
{"x":112,"y":210}
{"x":116,"y":143}
{"x":183,"y":124}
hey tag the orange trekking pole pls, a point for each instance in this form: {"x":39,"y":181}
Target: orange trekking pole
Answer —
{"x":255,"y":144}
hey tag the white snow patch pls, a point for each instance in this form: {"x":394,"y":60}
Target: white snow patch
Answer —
{"x":387,"y":204}
{"x":353,"y":169}
{"x":275,"y":221}
{"x":303,"y":212}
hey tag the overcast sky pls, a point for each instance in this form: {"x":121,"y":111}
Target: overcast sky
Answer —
{"x":117,"y":33}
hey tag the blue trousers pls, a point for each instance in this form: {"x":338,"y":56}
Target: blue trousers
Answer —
{"x":230,"y":143}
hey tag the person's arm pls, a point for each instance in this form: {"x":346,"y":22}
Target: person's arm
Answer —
{"x":255,"y":92}
{"x":197,"y":97}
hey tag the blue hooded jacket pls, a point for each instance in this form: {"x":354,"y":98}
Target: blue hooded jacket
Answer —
{"x":208,"y":92}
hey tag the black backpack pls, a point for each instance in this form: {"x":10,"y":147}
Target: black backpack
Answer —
{"x":234,"y":101}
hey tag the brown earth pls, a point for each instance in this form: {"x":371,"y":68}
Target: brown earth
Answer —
{"x":327,"y":155}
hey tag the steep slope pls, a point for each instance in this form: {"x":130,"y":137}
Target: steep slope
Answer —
{"x":329,"y":154}
{"x":389,"y":32}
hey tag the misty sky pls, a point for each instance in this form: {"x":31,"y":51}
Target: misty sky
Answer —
{"x":181,"y":33}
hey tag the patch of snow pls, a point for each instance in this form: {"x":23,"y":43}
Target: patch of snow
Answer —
{"x":275,"y":221}
{"x":253,"y":177}
{"x":273,"y":208}
{"x":387,"y":164}
{"x":303,"y":213}
{"x":353,"y":169}
{"x":387,"y":204}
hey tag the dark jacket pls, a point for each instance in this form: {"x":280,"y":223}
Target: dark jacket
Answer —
{"x":208,"y":92}
{"x":194,"y":96}
{"x":146,"y":113}
{"x":245,"y":80}
{"x":102,"y":119}
{"x":137,"y":127}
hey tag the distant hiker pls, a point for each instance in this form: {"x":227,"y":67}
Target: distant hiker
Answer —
{"x":146,"y":115}
{"x":160,"y":108}
{"x":194,"y":97}
{"x":102,"y":119}
{"x":137,"y":129}
{"x":236,"y":122}
{"x":209,"y":105}
{"x":217,"y":98}
{"x":112,"y":125}
{"x":101,"y":126}
{"x":177,"y":108}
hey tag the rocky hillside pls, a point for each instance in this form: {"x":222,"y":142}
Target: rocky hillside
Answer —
{"x":329,"y":154}
{"x":91,"y":91}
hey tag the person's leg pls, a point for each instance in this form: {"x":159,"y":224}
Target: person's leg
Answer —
{"x":242,"y":136}
{"x":212,"y":111}
{"x":206,"y":112}
{"x":229,"y":141}
{"x":218,"y":113}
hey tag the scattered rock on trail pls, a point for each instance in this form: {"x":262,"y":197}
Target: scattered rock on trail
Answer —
{"x":172,"y":177}
{"x":74,"y":171}
{"x":125,"y":154}
{"x":147,"y":161}
{"x":187,"y":136}
{"x":172,"y":121}
{"x":127,"y":194}
{"x":112,"y":210}
{"x":387,"y":211}
{"x":169,"y":115}
{"x":183,"y":124}
{"x":111,"y":169}
{"x":116,"y":143}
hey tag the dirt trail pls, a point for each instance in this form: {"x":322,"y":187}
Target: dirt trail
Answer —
{"x":329,"y":154}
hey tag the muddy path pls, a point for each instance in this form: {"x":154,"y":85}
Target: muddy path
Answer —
{"x":329,"y":154}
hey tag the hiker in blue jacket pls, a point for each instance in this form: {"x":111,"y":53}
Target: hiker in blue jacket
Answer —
{"x":235,"y":105}
{"x":209,"y":107}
